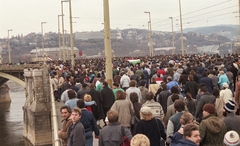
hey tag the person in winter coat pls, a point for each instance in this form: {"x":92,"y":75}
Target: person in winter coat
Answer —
{"x":156,"y":107}
{"x":186,"y":118}
{"x":191,"y":86}
{"x":111,"y":134}
{"x":153,"y":87}
{"x":67,"y":121}
{"x":222,"y":79}
{"x":89,"y":123}
{"x":151,"y":127}
{"x":204,"y":99}
{"x":144,"y":91}
{"x":212,"y":129}
{"x":136,"y":106}
{"x":124,"y":108}
{"x":76,"y":131}
{"x":191,"y":136}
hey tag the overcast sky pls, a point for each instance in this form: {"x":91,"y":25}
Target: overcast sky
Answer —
{"x":25,"y":16}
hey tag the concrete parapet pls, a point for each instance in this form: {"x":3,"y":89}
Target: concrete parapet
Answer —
{"x":37,"y":108}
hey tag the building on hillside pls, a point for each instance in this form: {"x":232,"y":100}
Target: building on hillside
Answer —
{"x":211,"y":49}
{"x":97,"y":35}
{"x":52,"y":53}
{"x":163,"y":51}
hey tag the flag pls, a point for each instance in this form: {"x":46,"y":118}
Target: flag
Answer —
{"x":48,"y":58}
{"x":80,"y":53}
{"x":136,"y":61}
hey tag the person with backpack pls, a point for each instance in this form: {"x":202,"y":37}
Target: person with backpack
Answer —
{"x":111,"y":135}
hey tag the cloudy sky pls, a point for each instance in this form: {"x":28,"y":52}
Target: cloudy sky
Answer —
{"x":25,"y":16}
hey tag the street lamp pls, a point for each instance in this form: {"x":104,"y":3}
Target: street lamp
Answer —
{"x":173,"y":49}
{"x":59,"y":40}
{"x":63,"y":41}
{"x":181,"y":27}
{"x":67,"y":44}
{"x":150,"y":34}
{"x":107,"y":42}
{"x":43,"y":52}
{"x":71,"y":34}
{"x":9,"y":52}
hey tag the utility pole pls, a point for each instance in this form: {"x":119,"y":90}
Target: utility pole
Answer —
{"x":59,"y":39}
{"x":63,"y":40}
{"x":107,"y":42}
{"x":173,"y":49}
{"x":71,"y":36}
{"x":150,"y":34}
{"x":182,"y":42}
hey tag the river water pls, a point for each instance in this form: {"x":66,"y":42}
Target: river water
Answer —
{"x":11,"y":118}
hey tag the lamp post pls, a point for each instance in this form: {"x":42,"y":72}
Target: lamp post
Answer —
{"x":66,"y":44}
{"x":59,"y":40}
{"x":63,"y":40}
{"x":107,"y":42}
{"x":182,"y":43}
{"x":71,"y":35}
{"x":173,"y":49}
{"x":9,"y":51}
{"x":150,"y":34}
{"x":43,"y":52}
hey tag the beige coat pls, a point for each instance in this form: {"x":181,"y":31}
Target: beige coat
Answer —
{"x":153,"y":88}
{"x":63,"y":132}
{"x":125,"y":111}
{"x":219,"y":104}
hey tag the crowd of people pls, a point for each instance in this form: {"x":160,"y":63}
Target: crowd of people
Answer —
{"x":177,"y":100}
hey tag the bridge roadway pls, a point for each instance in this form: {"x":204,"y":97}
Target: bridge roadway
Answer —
{"x":15,"y":72}
{"x":59,"y":118}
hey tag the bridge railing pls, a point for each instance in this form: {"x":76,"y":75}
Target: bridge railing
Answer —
{"x":16,"y":67}
{"x":56,"y":140}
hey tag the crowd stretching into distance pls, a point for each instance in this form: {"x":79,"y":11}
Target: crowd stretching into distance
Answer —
{"x":172,"y":100}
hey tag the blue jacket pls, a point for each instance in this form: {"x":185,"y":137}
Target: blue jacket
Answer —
{"x":223,"y":79}
{"x":184,"y":142}
{"x":89,"y":123}
{"x":208,"y":82}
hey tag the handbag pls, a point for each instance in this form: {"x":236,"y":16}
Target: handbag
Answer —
{"x":125,"y":140}
{"x":162,"y":142}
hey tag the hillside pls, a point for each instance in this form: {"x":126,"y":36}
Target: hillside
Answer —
{"x":229,"y":31}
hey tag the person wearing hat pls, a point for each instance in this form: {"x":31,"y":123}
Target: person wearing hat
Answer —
{"x":212,"y":129}
{"x":231,"y":138}
{"x":226,"y":93}
{"x":151,"y":127}
{"x":231,"y":118}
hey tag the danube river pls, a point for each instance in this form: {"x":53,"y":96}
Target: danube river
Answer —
{"x":11,"y":118}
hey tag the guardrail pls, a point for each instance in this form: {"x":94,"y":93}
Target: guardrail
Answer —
{"x":56,"y":140}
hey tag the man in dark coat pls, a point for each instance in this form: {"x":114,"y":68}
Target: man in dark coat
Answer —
{"x":204,"y":99}
{"x":191,"y":86}
{"x":231,"y":119}
{"x":207,"y":81}
{"x":98,"y":109}
{"x":83,"y":91}
{"x":76,"y":131}
{"x":108,"y":98}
